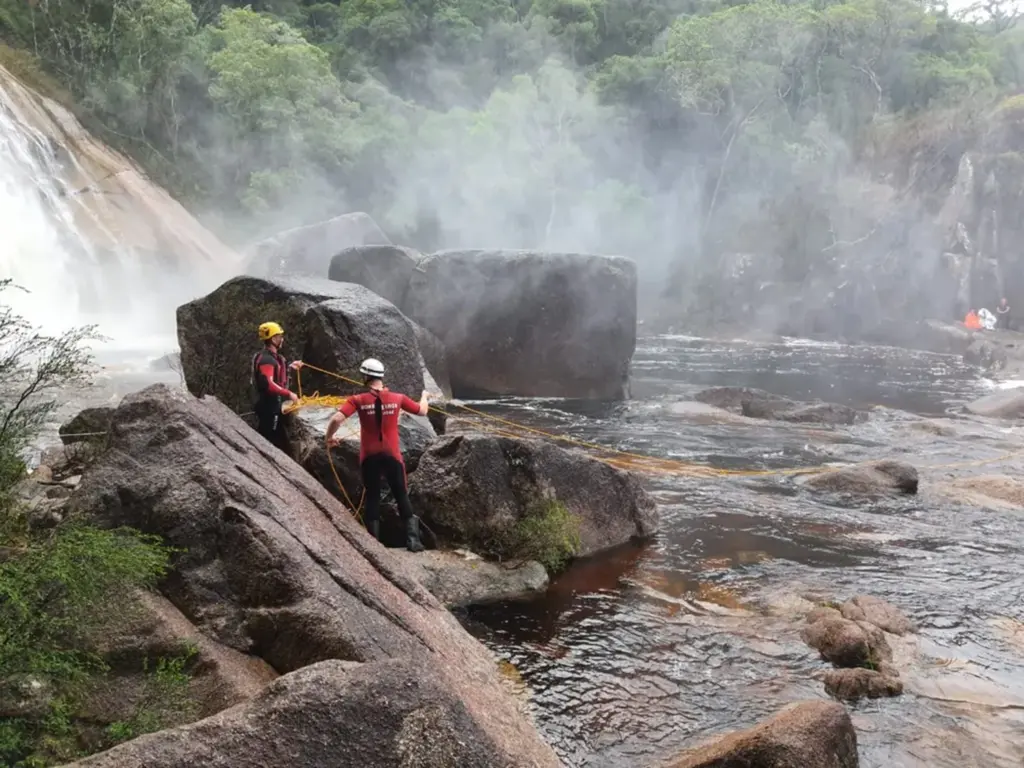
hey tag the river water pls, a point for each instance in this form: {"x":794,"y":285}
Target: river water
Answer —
{"x":652,"y":649}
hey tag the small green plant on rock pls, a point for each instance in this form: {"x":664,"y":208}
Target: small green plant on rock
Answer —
{"x":548,"y":533}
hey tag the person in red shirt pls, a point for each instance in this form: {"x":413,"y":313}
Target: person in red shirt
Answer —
{"x":379,"y":450}
{"x":270,"y":379}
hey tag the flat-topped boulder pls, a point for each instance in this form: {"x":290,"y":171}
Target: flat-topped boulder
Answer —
{"x":273,"y":566}
{"x":308,"y":250}
{"x":529,"y":323}
{"x":331,"y":325}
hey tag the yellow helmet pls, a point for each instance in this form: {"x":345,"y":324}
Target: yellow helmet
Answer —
{"x":270,"y":330}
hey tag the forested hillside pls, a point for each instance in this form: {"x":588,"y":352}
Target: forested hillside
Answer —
{"x":694,"y":135}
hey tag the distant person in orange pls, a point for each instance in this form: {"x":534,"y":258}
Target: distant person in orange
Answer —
{"x":972,"y":321}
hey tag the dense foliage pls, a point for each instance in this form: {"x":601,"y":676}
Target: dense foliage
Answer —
{"x":661,"y":128}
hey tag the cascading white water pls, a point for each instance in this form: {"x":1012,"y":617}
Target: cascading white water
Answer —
{"x":40,"y":251}
{"x":85,"y":238}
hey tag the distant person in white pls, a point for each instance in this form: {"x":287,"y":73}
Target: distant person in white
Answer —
{"x":988,"y":320}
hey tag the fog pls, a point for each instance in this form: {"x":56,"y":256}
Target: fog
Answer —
{"x":764,"y":177}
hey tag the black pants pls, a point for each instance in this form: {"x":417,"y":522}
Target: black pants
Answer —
{"x":269,"y":421}
{"x":372,"y":468}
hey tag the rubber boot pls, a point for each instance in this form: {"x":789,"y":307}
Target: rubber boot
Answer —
{"x":373,"y":526}
{"x":412,"y":533}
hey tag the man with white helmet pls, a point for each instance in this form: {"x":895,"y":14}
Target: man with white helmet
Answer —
{"x":270,"y":378}
{"x":379,"y":450}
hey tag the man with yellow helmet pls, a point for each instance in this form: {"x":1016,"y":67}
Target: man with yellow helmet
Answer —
{"x":270,"y":378}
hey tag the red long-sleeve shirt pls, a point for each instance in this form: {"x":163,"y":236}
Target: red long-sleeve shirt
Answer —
{"x":270,"y":373}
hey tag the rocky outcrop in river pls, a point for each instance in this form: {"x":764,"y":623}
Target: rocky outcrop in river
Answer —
{"x":272,"y":566}
{"x":473,"y":488}
{"x":853,"y":637}
{"x":331,"y":325}
{"x":869,"y":479}
{"x":384,"y":269}
{"x":758,"y":404}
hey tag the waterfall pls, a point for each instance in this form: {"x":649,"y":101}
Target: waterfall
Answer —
{"x":86,"y":238}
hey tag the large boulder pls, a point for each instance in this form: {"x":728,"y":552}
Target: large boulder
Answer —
{"x":272,"y":565}
{"x":308,"y":250}
{"x":332,"y":325}
{"x":389,"y":713}
{"x":472,"y":488}
{"x":384,"y":269}
{"x":527,"y":323}
{"x":1004,"y":404}
{"x":811,"y":734}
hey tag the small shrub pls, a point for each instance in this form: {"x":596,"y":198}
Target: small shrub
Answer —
{"x":547,"y":533}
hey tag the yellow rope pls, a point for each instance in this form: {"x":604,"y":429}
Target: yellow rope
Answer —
{"x":620,"y":459}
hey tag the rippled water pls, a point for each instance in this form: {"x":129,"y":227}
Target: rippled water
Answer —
{"x":653,"y":649}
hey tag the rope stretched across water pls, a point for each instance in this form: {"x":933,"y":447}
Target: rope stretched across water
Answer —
{"x":617,"y":458}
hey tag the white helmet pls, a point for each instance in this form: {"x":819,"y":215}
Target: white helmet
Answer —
{"x":372,"y":368}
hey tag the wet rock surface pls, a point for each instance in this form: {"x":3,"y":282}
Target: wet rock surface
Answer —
{"x":331,"y":325}
{"x":472,"y":487}
{"x":871,"y":478}
{"x":530,"y":323}
{"x":460,"y":578}
{"x":387,"y":713}
{"x":816,"y":733}
{"x":274,"y":567}
{"x":856,"y":684}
